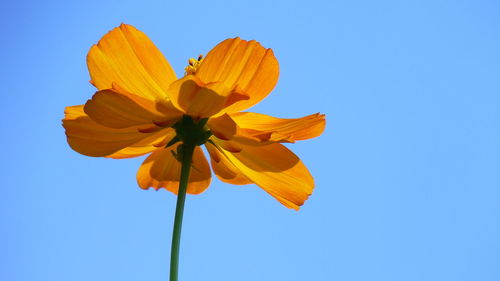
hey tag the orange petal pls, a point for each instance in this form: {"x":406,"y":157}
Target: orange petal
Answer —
{"x":303,"y":128}
{"x":146,"y":145}
{"x":162,"y":169}
{"x":201,"y":100}
{"x":116,"y":108}
{"x":242,"y":66}
{"x":224,"y":128}
{"x":275,"y":169}
{"x":260,"y":129}
{"x":92,"y":139}
{"x":127,"y":57}
{"x":223,"y":168}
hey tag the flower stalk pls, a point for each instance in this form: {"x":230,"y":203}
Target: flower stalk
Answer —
{"x":186,"y":159}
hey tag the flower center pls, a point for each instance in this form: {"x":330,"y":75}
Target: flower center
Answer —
{"x":190,"y":132}
{"x":194,"y":64}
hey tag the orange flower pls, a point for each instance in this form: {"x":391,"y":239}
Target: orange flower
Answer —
{"x":139,"y":102}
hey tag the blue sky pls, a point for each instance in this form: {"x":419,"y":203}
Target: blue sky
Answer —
{"x":407,"y":170}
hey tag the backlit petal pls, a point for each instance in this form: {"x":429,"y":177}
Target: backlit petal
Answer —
{"x":149,"y":144}
{"x":275,"y":169}
{"x":294,"y":129}
{"x":244,"y":67}
{"x":92,"y":139}
{"x":224,"y":169}
{"x":162,"y":169}
{"x":127,"y":57}
{"x":201,"y":100}
{"x":225,"y":128}
{"x":259,"y":129}
{"x":116,"y":108}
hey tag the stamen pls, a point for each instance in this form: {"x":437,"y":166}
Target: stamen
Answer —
{"x":193,"y":65}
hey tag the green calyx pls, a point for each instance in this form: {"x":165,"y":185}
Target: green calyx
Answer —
{"x":190,"y":132}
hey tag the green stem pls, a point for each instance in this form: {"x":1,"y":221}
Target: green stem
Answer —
{"x":187,"y":156}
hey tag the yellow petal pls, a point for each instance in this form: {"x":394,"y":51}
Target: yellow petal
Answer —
{"x":127,"y":57}
{"x":92,"y":139}
{"x":224,"y":169}
{"x":275,"y":169}
{"x":303,"y":128}
{"x":162,"y":169}
{"x":242,"y":66}
{"x":149,"y":144}
{"x":201,"y":100}
{"x":259,"y":129}
{"x":116,"y":108}
{"x":224,"y":128}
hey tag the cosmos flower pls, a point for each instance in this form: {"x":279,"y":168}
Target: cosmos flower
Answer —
{"x":140,"y":105}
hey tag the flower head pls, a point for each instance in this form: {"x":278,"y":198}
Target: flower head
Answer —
{"x":141,"y":107}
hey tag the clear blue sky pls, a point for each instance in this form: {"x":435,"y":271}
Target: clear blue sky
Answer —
{"x":407,"y":171}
